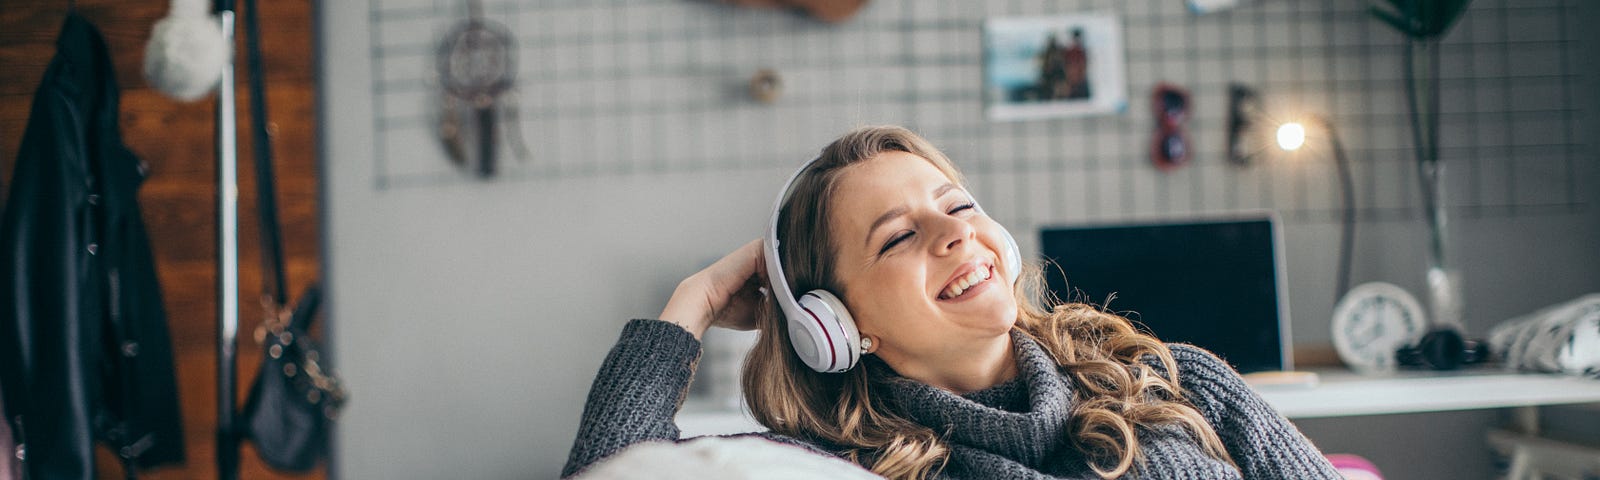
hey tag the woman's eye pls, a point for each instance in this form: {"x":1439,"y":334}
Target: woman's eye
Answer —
{"x":964,"y":206}
{"x":894,"y":241}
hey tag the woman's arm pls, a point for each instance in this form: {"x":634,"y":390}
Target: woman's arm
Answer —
{"x":643,"y":380}
{"x":637,"y":393}
{"x":1261,"y":441}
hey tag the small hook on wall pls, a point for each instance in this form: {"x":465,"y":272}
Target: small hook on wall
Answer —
{"x":766,"y":85}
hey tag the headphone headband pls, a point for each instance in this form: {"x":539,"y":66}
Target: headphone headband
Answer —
{"x":775,"y":273}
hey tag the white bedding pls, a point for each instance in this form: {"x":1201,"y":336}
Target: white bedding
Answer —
{"x":719,"y":458}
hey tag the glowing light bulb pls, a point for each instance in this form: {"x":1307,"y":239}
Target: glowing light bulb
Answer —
{"x":1291,"y":136}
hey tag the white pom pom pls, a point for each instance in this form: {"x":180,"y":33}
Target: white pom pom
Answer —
{"x":189,"y":8}
{"x":187,"y":52}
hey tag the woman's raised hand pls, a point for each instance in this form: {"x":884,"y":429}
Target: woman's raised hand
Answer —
{"x":725,"y":294}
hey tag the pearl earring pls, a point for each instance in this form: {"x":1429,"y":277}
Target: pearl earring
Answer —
{"x":866,"y":344}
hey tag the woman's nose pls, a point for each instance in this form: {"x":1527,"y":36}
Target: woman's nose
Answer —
{"x":954,"y":231}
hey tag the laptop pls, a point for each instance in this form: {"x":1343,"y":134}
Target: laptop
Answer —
{"x":1217,"y":283}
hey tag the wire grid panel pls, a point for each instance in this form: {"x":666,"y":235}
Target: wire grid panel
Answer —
{"x":643,"y":87}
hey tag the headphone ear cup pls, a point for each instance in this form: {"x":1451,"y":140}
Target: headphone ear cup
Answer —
{"x":1443,"y":349}
{"x":836,"y":342}
{"x":1475,"y":352}
{"x":805,"y":337}
{"x":1013,"y":258}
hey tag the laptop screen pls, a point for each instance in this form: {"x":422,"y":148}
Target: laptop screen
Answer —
{"x":1215,"y":284}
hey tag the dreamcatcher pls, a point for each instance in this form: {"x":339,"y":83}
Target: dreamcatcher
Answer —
{"x":477,"y":69}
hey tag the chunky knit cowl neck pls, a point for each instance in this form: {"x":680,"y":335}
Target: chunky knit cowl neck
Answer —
{"x":1019,"y":428}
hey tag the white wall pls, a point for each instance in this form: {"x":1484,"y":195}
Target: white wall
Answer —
{"x":469,"y":316}
{"x":476,"y":333}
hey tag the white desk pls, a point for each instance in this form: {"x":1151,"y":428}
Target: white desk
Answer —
{"x":1338,"y":394}
{"x":1343,"y":393}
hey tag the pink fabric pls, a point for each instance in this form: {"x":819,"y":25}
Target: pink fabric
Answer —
{"x":1353,"y":467}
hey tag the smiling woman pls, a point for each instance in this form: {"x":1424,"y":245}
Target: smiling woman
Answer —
{"x":968,"y":369}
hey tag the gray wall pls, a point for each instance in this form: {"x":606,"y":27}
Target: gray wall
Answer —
{"x":470,"y":316}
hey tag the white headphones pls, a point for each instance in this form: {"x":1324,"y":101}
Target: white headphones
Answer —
{"x":822,"y":331}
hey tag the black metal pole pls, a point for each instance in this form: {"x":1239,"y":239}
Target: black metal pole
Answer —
{"x":228,"y":257}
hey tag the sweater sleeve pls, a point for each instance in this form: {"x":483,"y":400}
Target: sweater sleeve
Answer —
{"x":638,"y":391}
{"x":1261,"y":441}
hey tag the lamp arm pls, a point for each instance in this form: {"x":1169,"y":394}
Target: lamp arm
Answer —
{"x":1348,"y":212}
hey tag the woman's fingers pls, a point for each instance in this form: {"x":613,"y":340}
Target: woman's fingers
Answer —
{"x":740,"y":265}
{"x":717,"y":295}
{"x":742,"y":279}
{"x":740,"y":313}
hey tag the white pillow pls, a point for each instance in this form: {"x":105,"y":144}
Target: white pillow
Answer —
{"x":718,"y":458}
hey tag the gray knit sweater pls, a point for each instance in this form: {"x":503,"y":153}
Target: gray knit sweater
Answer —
{"x":1012,"y":430}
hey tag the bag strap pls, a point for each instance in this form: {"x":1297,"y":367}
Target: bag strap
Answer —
{"x":305,"y":311}
{"x":261,"y":146}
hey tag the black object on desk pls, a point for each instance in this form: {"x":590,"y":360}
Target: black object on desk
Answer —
{"x":1218,"y":284}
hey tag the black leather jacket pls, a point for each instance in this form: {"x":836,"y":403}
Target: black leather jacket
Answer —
{"x":84,"y":349}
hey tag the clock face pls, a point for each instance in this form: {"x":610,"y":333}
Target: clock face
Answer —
{"x":1374,"y":320}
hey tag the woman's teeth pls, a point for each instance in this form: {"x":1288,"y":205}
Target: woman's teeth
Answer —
{"x":962,"y":284}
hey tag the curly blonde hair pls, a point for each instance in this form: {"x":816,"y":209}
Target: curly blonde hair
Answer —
{"x":1102,"y":352}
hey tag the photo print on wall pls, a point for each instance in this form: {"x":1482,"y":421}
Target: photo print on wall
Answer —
{"x":1053,"y":66}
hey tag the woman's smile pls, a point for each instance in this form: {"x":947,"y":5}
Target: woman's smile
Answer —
{"x":968,"y":282}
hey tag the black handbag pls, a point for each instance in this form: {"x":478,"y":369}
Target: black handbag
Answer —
{"x":294,"y":399}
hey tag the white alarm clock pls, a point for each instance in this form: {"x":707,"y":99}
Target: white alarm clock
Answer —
{"x":1372,"y":321}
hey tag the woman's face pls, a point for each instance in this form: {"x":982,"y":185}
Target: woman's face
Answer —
{"x":907,"y":239}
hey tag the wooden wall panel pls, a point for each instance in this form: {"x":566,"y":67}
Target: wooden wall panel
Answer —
{"x":178,"y":201}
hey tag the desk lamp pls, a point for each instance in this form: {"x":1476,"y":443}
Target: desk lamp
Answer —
{"x":1249,"y":126}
